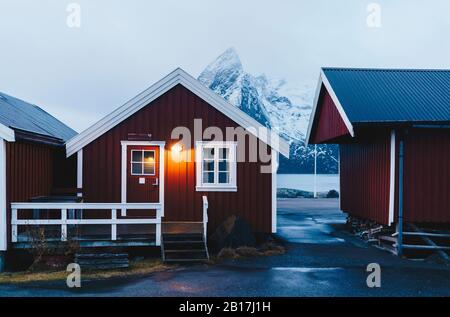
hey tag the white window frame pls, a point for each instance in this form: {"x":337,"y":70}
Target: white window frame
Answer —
{"x":143,"y":163}
{"x":216,"y":186}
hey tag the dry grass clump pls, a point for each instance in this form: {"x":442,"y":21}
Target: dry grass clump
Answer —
{"x":267,"y":249}
{"x":271,"y":248}
{"x":248,"y":252}
{"x":227,"y":253}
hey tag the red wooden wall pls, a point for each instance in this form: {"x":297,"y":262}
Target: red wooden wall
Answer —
{"x":365,"y":177}
{"x":29,"y":173}
{"x":178,"y":107}
{"x":427,"y":175}
{"x":328,"y":123}
{"x":29,"y":170}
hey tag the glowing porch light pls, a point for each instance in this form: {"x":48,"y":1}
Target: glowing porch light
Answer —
{"x":177,"y":148}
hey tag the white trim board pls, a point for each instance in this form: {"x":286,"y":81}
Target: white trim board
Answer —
{"x":80,"y":171}
{"x":323,"y":80}
{"x":123,"y":173}
{"x":6,"y":133}
{"x":274,"y":163}
{"x":178,"y":76}
{"x":392,"y":179}
{"x":3,"y":218}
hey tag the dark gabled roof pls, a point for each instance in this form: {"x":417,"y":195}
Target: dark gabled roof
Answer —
{"x":392,"y":95}
{"x":20,"y":115}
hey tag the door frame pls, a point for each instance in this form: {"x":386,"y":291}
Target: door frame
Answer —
{"x":124,"y":164}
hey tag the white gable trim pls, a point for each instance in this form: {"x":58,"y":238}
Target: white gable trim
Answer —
{"x":176,"y":77}
{"x":324,"y":81}
{"x":6,"y":133}
{"x":3,"y":206}
{"x":392,"y":180}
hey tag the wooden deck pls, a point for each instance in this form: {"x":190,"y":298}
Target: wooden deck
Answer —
{"x":100,"y":236}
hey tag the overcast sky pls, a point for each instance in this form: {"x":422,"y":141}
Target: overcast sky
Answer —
{"x":122,"y":47}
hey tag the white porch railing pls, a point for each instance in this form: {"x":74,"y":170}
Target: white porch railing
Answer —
{"x":205,"y":217}
{"x":63,"y":222}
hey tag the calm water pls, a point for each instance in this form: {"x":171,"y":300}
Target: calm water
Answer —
{"x":325,"y":182}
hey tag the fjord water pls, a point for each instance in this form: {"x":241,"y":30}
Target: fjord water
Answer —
{"x":325,"y":182}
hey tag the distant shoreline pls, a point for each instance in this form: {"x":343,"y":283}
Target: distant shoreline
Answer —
{"x":307,"y":174}
{"x":297,"y":193}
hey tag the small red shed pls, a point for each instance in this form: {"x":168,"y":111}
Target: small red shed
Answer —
{"x":32,"y":158}
{"x":170,"y":145}
{"x":393,"y":131}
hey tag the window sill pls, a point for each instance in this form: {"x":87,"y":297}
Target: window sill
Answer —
{"x":216,"y":188}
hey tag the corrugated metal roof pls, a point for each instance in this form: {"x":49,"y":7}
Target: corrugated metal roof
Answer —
{"x":18,"y":114}
{"x":392,"y":95}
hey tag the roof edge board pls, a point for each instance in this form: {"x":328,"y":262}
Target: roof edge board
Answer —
{"x":7,"y":133}
{"x":313,"y":112}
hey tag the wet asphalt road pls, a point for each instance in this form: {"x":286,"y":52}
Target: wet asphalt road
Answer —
{"x":322,"y":260}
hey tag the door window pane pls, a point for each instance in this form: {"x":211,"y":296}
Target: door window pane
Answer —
{"x":142,"y":162}
{"x":149,"y":168}
{"x":136,"y":168}
{"x":136,"y":156}
{"x":149,"y":156}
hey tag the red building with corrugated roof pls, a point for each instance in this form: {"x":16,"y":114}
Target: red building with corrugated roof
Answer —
{"x":393,"y":131}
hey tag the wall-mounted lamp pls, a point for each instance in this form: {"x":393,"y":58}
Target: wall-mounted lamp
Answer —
{"x":177,"y":148}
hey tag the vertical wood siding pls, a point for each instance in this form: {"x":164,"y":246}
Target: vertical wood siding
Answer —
{"x":29,"y":173}
{"x":29,"y":170}
{"x":427,"y":175}
{"x":178,"y":107}
{"x":364,"y":178}
{"x":328,"y":123}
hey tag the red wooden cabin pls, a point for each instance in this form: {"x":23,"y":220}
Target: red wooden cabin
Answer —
{"x":140,"y":176}
{"x":381,"y":118}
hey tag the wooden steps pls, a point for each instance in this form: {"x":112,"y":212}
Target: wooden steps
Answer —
{"x":184,"y":247}
{"x":102,"y":261}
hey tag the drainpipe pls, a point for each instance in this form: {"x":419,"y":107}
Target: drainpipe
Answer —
{"x":400,"y":197}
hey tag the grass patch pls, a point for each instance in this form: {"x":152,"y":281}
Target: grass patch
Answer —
{"x":266,"y":249}
{"x":136,"y":268}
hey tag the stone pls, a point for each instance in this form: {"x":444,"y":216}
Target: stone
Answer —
{"x":234,"y":232}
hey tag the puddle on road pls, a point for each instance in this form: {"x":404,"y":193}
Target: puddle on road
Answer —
{"x":317,"y":234}
{"x":307,"y":269}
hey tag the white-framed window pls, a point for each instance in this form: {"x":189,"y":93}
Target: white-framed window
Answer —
{"x":142,"y":162}
{"x":216,"y":166}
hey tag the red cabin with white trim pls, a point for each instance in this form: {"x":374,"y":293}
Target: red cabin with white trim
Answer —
{"x":134,"y":155}
{"x":369,"y":113}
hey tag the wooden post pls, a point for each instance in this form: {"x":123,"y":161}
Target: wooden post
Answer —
{"x":400,"y":199}
{"x":114,"y":225}
{"x":63,"y":224}
{"x":205,"y":217}
{"x":158,"y":227}
{"x":14,"y":226}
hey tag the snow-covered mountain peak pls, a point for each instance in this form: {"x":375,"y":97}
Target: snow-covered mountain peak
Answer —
{"x":272,"y":102}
